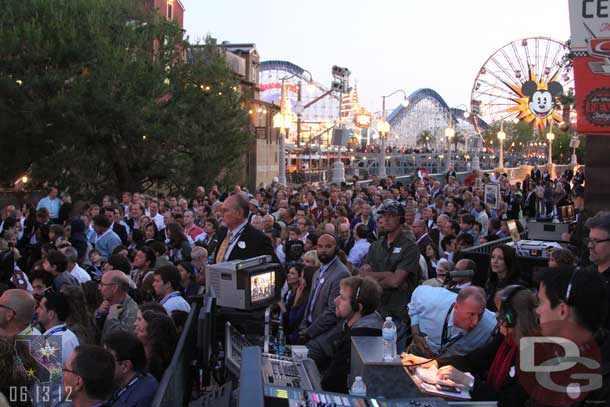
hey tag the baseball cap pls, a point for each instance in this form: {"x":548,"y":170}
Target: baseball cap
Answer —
{"x":392,"y":207}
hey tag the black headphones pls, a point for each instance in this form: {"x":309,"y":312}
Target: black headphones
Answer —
{"x":356,"y":297}
{"x":506,"y":311}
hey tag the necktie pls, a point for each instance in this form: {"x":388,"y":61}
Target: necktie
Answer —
{"x":223,"y":248}
{"x":314,"y":298}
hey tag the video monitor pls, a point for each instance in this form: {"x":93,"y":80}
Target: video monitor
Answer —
{"x":262,"y":286}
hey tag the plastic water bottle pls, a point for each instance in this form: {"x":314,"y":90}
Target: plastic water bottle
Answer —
{"x":280,"y":345}
{"x":358,"y":388}
{"x":389,"y":339}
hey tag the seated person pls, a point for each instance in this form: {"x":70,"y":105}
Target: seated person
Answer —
{"x":446,"y":323}
{"x":356,"y":307}
{"x":462,"y":275}
{"x":489,"y":367}
{"x":294,"y":301}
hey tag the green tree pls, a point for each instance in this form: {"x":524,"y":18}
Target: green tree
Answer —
{"x":426,"y":139}
{"x":94,"y":96}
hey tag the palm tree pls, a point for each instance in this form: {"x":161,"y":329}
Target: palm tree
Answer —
{"x":425,"y":138}
{"x":458,"y":138}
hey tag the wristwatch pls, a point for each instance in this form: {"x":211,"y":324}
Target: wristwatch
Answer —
{"x":470,"y":383}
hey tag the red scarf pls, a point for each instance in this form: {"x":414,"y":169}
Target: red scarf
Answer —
{"x":502,"y":363}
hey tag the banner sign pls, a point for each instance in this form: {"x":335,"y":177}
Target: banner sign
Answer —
{"x":590,"y":45}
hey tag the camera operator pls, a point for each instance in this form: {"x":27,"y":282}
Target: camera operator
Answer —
{"x":461,"y":276}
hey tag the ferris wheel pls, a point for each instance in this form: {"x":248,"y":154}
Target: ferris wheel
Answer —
{"x":522,"y":80}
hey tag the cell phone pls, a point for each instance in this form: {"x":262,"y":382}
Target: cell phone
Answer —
{"x":447,"y":388}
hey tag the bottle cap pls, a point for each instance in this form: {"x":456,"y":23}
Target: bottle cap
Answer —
{"x":388,"y":318}
{"x":358,"y":378}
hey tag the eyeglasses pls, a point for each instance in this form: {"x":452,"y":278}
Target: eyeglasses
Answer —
{"x":595,"y":242}
{"x":104,"y":284}
{"x":8,"y":308}
{"x":65,"y":369}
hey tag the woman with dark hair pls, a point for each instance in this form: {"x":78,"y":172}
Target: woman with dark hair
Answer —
{"x":136,"y":240}
{"x":432,"y":258}
{"x":294,"y":302}
{"x":188,"y":279}
{"x":493,"y":374}
{"x":151,"y":232}
{"x":93,"y":296}
{"x":179,"y":247}
{"x":80,"y":320}
{"x":502,"y":272}
{"x":157,"y":333}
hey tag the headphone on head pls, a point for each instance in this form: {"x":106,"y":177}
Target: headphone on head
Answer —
{"x":507,"y":311}
{"x":356,"y":297}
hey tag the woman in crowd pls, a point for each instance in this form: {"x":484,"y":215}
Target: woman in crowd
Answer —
{"x":157,"y":333}
{"x":179,"y":247}
{"x":150,"y":232}
{"x":502,"y":272}
{"x":80,"y":320}
{"x":136,"y":240}
{"x":188,"y":279}
{"x":93,"y":296}
{"x":294,"y":302}
{"x":432,"y":258}
{"x":310,"y":259}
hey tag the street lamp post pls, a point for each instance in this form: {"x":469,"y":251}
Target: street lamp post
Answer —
{"x":384,"y":129}
{"x":279,"y":122}
{"x":501,"y":138}
{"x":283,"y":120}
{"x":449,"y":134}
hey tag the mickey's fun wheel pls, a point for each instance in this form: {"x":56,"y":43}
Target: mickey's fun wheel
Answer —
{"x":522,"y":81}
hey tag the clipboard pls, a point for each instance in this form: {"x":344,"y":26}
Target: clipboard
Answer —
{"x":431,"y":390}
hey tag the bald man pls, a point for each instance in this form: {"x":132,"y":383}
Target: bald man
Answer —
{"x":118,"y":311}
{"x":16,"y":311}
{"x":240,"y":240}
{"x":320,"y":311}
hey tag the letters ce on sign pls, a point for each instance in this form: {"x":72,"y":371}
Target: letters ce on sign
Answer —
{"x":590,"y":45}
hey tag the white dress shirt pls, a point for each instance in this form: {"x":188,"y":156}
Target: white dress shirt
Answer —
{"x":174,"y":302}
{"x":359,"y":252}
{"x":78,"y":273}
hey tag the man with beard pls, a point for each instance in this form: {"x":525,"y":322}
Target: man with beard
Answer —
{"x":393,"y":261}
{"x":320,"y":311}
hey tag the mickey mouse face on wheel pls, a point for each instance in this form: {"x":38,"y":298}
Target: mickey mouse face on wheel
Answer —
{"x":541,"y":100}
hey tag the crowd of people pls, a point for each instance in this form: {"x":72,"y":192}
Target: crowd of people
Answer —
{"x":114,"y":277}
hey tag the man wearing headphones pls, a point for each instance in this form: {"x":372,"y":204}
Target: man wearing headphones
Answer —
{"x":320,"y":311}
{"x":355,"y":307}
{"x":572,"y":304}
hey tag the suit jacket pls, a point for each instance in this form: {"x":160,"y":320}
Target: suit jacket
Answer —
{"x":251,"y":243}
{"x":323,"y":315}
{"x":121,"y":232}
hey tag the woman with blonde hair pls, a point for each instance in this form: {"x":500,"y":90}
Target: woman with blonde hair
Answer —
{"x":310,"y":259}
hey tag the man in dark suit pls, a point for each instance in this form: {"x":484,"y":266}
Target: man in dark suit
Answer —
{"x":116,"y":227}
{"x":240,"y":240}
{"x":320,"y":311}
